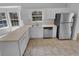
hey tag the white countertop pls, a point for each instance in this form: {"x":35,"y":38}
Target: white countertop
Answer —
{"x":48,"y":25}
{"x":45,"y":25}
{"x":15,"y":35}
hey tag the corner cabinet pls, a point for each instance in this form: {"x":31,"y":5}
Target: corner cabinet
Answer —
{"x":10,"y":17}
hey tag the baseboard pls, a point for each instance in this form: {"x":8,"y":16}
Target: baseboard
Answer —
{"x":45,"y":38}
{"x":36,"y":38}
{"x":65,"y":39}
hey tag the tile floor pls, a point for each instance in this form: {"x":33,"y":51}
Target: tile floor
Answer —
{"x":52,"y":47}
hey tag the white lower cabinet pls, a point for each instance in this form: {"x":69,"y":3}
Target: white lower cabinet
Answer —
{"x":22,"y":45}
{"x":54,"y":31}
{"x":9,"y":49}
{"x":14,"y":48}
{"x":23,"y":42}
{"x":36,"y":32}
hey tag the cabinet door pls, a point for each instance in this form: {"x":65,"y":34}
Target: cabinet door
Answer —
{"x":26,"y":36}
{"x":36,"y":32}
{"x":9,"y":49}
{"x":23,"y":42}
{"x":54,"y":31}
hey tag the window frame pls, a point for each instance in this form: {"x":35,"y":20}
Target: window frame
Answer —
{"x":4,"y":11}
{"x":14,"y":19}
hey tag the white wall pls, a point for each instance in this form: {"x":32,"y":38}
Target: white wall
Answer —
{"x":36,"y":5}
{"x":26,"y":6}
{"x":75,"y":8}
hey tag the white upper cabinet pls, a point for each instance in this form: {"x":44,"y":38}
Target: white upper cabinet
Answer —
{"x":49,"y":13}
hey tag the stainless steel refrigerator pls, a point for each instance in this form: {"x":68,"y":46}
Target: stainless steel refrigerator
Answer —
{"x":66,"y":25}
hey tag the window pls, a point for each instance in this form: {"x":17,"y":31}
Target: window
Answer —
{"x":14,"y":19}
{"x":3,"y":21}
{"x":37,"y":15}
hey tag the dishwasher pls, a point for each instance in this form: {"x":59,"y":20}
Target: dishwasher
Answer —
{"x":47,"y":32}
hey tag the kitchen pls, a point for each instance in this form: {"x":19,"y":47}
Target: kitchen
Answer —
{"x":41,"y":23}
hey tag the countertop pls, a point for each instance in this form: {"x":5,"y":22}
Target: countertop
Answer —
{"x":45,"y":25}
{"x":15,"y":35}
